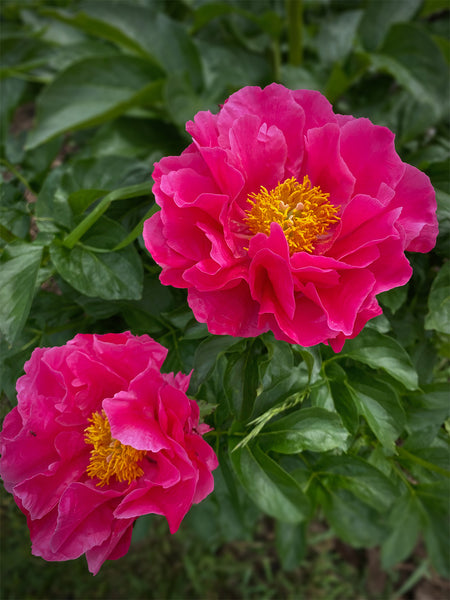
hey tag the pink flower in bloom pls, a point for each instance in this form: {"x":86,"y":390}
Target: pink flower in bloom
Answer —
{"x":282,"y":215}
{"x":100,"y":437}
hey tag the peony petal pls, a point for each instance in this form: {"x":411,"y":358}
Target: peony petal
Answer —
{"x":325,"y":166}
{"x":114,"y":547}
{"x":416,"y":197}
{"x":369,"y":153}
{"x":85,"y":516}
{"x":227,"y":312}
{"x":270,"y":278}
{"x":274,"y":106}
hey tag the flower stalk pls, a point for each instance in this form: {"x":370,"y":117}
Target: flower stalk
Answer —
{"x":132,"y":191}
{"x":294,"y":13}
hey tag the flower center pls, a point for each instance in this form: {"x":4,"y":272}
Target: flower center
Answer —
{"x":303,"y":212}
{"x":109,"y":457}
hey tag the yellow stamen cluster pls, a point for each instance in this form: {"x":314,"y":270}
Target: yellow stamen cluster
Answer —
{"x":303,"y":212}
{"x":109,"y":457}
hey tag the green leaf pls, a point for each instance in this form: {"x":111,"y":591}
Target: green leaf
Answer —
{"x":92,"y":91}
{"x":150,"y":34}
{"x":395,"y":298}
{"x":345,"y":405}
{"x":241,"y":381}
{"x":14,"y":216}
{"x":378,"y":403}
{"x":182,"y":101}
{"x":379,"y":16}
{"x":206,"y":356}
{"x":279,"y":384}
{"x":133,"y":137}
{"x":429,"y":408}
{"x":336,"y":36}
{"x":382,"y":352}
{"x":359,"y":477}
{"x":353,"y":521}
{"x":313,"y":361}
{"x":313,"y":429}
{"x":434,"y":500}
{"x":438,"y":316}
{"x":405,"y":523}
{"x":92,"y":269}
{"x":19,"y":268}
{"x":269,"y":485}
{"x":414,"y":59}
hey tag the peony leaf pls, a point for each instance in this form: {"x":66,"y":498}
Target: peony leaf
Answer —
{"x":380,"y":16}
{"x":434,"y":502}
{"x":382,"y":352}
{"x":141,"y":31}
{"x":378,"y":403}
{"x":70,"y":189}
{"x":313,"y":429}
{"x":345,"y":405}
{"x":241,"y":380}
{"x":269,"y":485}
{"x":414,"y":59}
{"x":94,"y":270}
{"x":206,"y":356}
{"x":359,"y":477}
{"x":438,"y":316}
{"x":19,"y":268}
{"x":405,"y":521}
{"x":92,"y":91}
{"x":353,"y":521}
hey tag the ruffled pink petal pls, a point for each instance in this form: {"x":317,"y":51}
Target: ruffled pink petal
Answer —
{"x":416,"y":197}
{"x":196,"y":245}
{"x":342,"y":303}
{"x":85,"y":517}
{"x":180,"y":381}
{"x":133,"y":421}
{"x":203,"y":129}
{"x":370,"y":155}
{"x":227,"y":312}
{"x":228,"y":179}
{"x":371,"y":310}
{"x":325,"y":166}
{"x":40,"y":493}
{"x":172,"y":262}
{"x":205,"y":460}
{"x":27,"y":455}
{"x":270,"y":278}
{"x":274,"y":106}
{"x":207,"y":275}
{"x":392,"y":268}
{"x":317,"y":110}
{"x":307,"y":327}
{"x":172,"y":502}
{"x":114,"y":547}
{"x":258,"y":152}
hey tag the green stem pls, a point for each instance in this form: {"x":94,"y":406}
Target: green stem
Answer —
{"x":136,"y":230}
{"x":7,"y":235}
{"x":276,"y":59}
{"x":294,"y":10}
{"x":422,"y":463}
{"x":17,"y":174}
{"x":132,"y":191}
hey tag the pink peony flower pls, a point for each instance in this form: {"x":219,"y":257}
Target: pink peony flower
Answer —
{"x":284,"y":216}
{"x":100,"y":437}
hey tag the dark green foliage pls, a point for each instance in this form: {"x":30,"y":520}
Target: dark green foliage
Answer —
{"x":93,"y":93}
